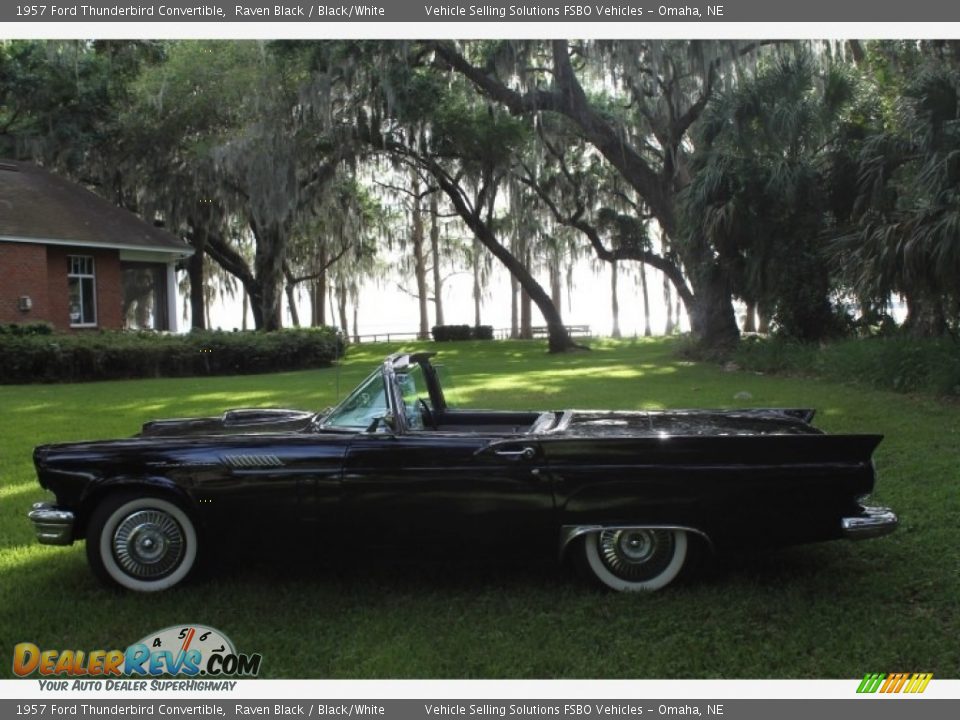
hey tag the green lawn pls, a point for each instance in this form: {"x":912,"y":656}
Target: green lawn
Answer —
{"x":836,"y":610}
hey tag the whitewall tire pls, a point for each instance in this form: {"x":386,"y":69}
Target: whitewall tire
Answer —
{"x":141,"y":543}
{"x":635,"y":559}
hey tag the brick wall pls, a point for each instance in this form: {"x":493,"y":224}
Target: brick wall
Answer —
{"x":23,"y":271}
{"x":108,"y":283}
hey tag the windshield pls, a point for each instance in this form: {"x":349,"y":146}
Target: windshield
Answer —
{"x":362,"y":406}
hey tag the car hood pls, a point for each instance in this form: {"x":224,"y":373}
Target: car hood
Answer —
{"x":232,"y":422}
{"x":768,"y":421}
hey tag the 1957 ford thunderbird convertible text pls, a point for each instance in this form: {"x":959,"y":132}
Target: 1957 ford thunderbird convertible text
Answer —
{"x":627,"y":495}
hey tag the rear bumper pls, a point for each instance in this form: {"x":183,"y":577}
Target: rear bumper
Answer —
{"x":872,"y":522}
{"x":52,"y":525}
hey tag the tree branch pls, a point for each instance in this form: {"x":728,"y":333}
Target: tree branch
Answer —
{"x":228,"y":258}
{"x":296,"y":280}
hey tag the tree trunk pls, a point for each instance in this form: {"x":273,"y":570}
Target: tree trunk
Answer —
{"x":419,"y":265}
{"x":292,"y":300}
{"x":526,"y":316}
{"x":342,"y":306}
{"x":435,"y":256}
{"x":526,"y":307}
{"x":514,"y":308}
{"x":318,"y":292}
{"x":925,"y":316}
{"x":614,"y":301}
{"x":668,"y":303}
{"x":646,"y":301}
{"x":712,"y":318}
{"x":254,"y":292}
{"x":763,"y":322}
{"x":555,"y":283}
{"x":476,"y":283}
{"x":268,"y":270}
{"x":195,"y":273}
{"x":246,"y":304}
{"x":750,"y":318}
{"x":356,"y":311}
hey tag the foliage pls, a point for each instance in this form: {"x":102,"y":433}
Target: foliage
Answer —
{"x":481,"y":332}
{"x":238,"y":139}
{"x":761,"y":186}
{"x":907,"y":237}
{"x":901,"y":364}
{"x":768,"y":613}
{"x":446,"y":333}
{"x":31,"y":358}
{"x":794,"y":176}
{"x":627,"y":107}
{"x":60,"y":100}
{"x":20,"y":329}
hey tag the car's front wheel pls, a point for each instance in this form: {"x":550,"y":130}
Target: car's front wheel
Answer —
{"x":141,"y":542}
{"x":635,"y":559}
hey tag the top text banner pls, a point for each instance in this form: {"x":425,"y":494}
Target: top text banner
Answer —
{"x":420,"y":11}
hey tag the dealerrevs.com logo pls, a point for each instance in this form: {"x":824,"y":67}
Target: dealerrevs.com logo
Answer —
{"x":179,"y":650}
{"x":910,"y":683}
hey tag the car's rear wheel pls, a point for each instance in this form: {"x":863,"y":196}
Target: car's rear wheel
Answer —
{"x":635,"y":559}
{"x":143,"y":543}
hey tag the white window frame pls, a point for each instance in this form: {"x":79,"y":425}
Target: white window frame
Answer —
{"x":73,"y":273}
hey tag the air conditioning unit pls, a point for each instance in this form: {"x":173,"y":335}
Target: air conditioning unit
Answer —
{"x":25,"y":303}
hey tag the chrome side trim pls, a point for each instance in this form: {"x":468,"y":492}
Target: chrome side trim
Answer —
{"x":52,"y":525}
{"x":569,"y":533}
{"x":874,"y":522}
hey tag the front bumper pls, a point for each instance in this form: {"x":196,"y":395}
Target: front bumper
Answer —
{"x":872,"y":522}
{"x":52,"y":525}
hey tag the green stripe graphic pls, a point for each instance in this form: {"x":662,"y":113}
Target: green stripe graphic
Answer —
{"x":871,"y":682}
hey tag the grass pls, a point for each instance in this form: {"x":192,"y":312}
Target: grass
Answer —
{"x":836,"y":610}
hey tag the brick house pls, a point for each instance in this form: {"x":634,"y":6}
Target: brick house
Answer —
{"x":73,"y":259}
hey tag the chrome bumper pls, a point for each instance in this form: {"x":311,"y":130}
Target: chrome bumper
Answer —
{"x":52,"y":525}
{"x":873,"y":522}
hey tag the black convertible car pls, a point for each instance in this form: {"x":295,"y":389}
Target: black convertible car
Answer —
{"x":628,"y":495}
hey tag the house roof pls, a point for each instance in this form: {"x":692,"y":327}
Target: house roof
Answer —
{"x":37,"y":206}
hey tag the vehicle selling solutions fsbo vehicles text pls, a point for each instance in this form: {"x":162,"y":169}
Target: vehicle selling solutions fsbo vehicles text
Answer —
{"x":569,"y":11}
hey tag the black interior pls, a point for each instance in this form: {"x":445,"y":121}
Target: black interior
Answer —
{"x":495,"y":421}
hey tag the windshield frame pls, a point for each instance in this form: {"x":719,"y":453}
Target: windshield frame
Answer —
{"x":385,"y":372}
{"x":398,"y":362}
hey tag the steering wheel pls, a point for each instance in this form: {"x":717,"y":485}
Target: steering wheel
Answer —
{"x":427,"y":413}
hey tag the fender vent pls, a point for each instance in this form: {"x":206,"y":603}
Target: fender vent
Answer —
{"x":252,"y":461}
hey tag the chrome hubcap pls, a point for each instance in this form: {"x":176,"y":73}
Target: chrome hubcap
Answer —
{"x":636,"y":555}
{"x":635,"y":545}
{"x":148,"y":544}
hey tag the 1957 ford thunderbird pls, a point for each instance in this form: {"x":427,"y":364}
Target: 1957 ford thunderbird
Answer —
{"x":628,"y":495}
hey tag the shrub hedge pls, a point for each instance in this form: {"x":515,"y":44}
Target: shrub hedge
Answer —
{"x":30,"y":357}
{"x":37,"y":328}
{"x":444,"y":333}
{"x":902,"y":364}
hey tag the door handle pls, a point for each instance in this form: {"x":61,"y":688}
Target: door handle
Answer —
{"x":526,"y":453}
